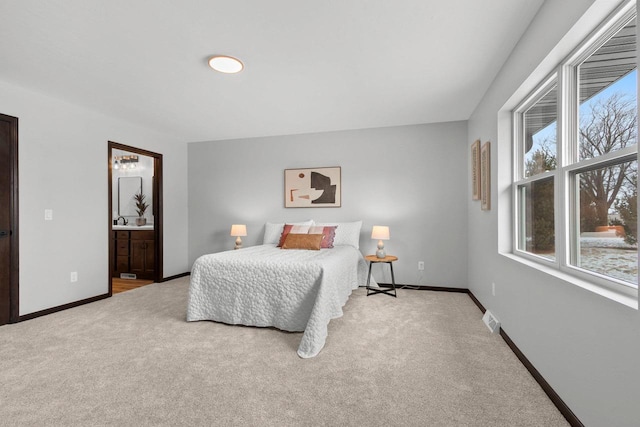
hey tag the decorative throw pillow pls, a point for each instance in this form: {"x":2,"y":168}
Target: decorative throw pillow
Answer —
{"x":347,"y":233}
{"x":328,"y":232}
{"x":302,"y":241}
{"x":292,"y":228}
{"x":273,"y":231}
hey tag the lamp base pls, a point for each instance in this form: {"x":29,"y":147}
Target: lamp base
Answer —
{"x":380,"y":252}
{"x":238,"y":243}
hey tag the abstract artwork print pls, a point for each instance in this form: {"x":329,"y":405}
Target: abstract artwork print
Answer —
{"x":313,"y":187}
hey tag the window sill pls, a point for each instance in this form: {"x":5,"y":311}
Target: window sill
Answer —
{"x":629,"y":299}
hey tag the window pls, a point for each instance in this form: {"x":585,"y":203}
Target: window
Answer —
{"x":575,"y":164}
{"x":537,"y":166}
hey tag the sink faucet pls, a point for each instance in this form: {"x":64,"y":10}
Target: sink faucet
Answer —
{"x":124,"y":220}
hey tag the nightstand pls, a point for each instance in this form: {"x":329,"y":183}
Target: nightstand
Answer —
{"x":389,"y":259}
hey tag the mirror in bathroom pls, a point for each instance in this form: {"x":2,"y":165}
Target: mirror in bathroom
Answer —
{"x":128,"y":186}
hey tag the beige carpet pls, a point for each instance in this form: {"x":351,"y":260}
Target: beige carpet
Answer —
{"x":423,"y":359}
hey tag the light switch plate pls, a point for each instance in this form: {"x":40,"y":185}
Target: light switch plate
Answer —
{"x":48,"y":214}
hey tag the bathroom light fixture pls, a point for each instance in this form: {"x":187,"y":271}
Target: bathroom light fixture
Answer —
{"x":380,"y":232}
{"x":125,"y":162}
{"x":238,"y":230}
{"x":226,"y":64}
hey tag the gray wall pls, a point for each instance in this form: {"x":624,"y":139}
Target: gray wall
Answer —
{"x":585,"y":345}
{"x":63,"y":166}
{"x":411,"y":178}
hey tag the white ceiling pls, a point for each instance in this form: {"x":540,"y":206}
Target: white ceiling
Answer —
{"x":310,"y":66}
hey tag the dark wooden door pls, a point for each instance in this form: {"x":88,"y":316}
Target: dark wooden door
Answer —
{"x":149,"y":253}
{"x":8,"y":219}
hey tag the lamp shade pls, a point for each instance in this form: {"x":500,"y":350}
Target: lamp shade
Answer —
{"x":380,"y":232}
{"x":238,"y":230}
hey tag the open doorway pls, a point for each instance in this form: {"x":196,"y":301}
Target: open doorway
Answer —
{"x":135,"y":217}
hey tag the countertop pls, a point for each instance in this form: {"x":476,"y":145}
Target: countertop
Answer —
{"x":132,"y":227}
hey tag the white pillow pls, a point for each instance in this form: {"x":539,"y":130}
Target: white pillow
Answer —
{"x":273,"y":231}
{"x":347,"y":233}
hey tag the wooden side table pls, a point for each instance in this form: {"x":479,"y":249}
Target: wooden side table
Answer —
{"x":389,"y":259}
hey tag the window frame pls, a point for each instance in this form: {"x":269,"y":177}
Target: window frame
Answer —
{"x":519,"y":178}
{"x":569,"y":165}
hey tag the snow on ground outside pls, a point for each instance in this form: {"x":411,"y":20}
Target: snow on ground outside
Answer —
{"x":610,"y":256}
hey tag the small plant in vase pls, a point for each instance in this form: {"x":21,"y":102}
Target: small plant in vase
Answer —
{"x":141,"y":208}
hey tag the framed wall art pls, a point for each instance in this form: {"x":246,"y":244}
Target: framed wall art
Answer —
{"x":313,"y":188}
{"x":485,"y":176}
{"x":475,"y":170}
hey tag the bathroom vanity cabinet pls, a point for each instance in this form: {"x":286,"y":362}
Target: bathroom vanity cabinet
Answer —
{"x":134,"y":253}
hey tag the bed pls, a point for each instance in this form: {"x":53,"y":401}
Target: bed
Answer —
{"x":270,"y":285}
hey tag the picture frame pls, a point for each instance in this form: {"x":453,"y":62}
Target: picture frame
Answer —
{"x":485,"y":176}
{"x":475,"y":170}
{"x":313,"y":187}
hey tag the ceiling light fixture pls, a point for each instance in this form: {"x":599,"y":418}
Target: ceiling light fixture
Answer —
{"x":226,"y":64}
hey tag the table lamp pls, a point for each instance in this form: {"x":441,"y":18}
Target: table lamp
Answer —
{"x":380,"y":232}
{"x":238,"y":230}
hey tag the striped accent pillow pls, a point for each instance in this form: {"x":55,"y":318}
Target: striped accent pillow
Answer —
{"x":328,"y":234}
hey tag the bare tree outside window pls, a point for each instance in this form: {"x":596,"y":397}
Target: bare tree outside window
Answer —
{"x":608,"y":194}
{"x":610,"y":125}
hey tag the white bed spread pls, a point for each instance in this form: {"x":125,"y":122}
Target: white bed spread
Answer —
{"x":292,"y":290}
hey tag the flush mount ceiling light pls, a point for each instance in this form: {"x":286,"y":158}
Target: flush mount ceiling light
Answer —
{"x":226,"y":64}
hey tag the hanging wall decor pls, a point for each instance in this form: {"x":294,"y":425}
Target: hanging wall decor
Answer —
{"x":312,"y":188}
{"x":485,"y":176}
{"x":475,"y":170}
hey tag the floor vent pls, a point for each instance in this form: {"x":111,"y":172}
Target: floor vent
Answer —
{"x":127,"y":276}
{"x":492,"y":323}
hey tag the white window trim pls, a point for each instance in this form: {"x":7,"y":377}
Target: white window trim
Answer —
{"x":629,"y":299}
{"x":518,"y":180}
{"x":565,"y":77}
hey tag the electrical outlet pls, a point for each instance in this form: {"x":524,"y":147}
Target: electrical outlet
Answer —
{"x":493,"y":289}
{"x":421,"y":265}
{"x":74,"y":276}
{"x":48,"y":214}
